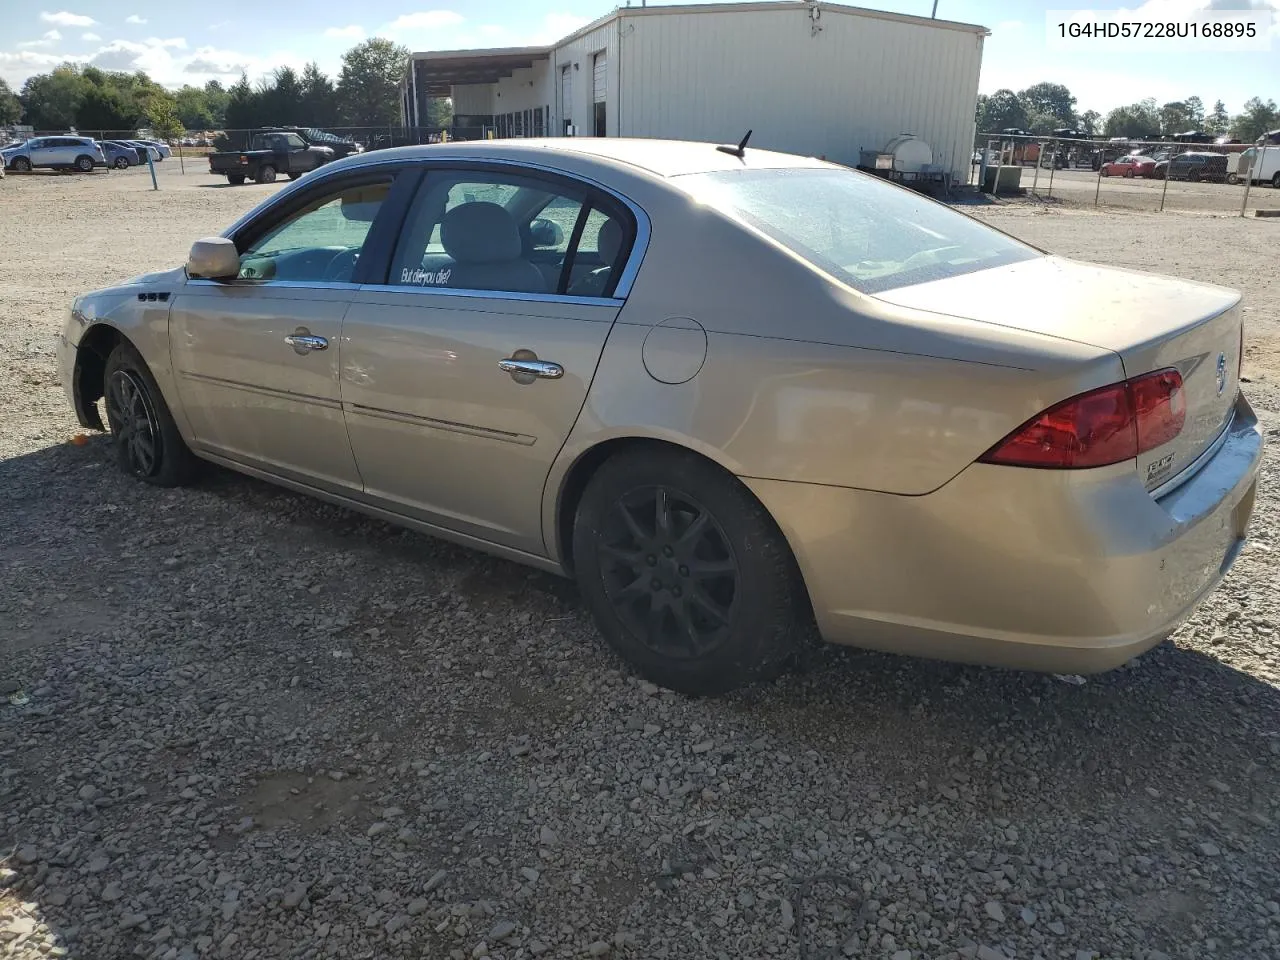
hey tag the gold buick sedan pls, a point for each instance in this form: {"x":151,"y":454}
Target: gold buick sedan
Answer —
{"x":729,"y":391}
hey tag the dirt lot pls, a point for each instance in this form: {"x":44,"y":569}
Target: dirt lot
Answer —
{"x":258,"y":726}
{"x":1079,"y":187}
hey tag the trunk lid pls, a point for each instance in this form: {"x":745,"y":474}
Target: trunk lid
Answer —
{"x":1150,"y":321}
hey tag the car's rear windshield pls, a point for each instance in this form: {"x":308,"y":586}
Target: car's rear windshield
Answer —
{"x":866,"y":233}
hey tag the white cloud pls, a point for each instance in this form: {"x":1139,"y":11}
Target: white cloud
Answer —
{"x":90,"y":36}
{"x":47,"y":40}
{"x":177,"y":43}
{"x":134,"y":18}
{"x":351,"y":32}
{"x":552,"y":27}
{"x":426,"y":20}
{"x":65,"y":19}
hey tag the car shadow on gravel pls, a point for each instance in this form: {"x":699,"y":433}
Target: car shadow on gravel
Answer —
{"x":359,"y":632}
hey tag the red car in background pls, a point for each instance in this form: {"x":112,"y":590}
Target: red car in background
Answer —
{"x":1131,"y":166}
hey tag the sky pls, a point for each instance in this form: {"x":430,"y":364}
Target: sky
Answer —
{"x":179,"y":43}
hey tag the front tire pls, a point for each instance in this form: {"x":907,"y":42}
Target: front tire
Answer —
{"x":20,"y":165}
{"x":1275,"y":181}
{"x":121,"y":163}
{"x":267,"y":174}
{"x":294,"y":176}
{"x":686,"y":574}
{"x":1233,"y":179}
{"x":147,"y":441}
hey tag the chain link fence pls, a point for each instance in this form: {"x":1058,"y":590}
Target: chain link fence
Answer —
{"x":1150,"y":175}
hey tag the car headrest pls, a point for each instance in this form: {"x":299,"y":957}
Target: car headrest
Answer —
{"x":480,"y":232}
{"x":609,"y":240}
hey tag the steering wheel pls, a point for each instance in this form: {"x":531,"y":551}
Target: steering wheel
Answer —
{"x":918,"y":258}
{"x":342,"y":267}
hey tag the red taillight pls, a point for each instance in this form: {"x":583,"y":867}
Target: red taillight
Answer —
{"x":1104,"y":426}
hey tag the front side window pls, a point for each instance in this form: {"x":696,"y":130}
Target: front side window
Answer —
{"x":321,"y":242}
{"x":509,"y":232}
{"x":866,"y":233}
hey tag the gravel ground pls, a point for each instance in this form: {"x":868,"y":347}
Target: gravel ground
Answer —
{"x":252,"y":725}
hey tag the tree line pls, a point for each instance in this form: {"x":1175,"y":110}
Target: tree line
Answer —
{"x":366,"y":92}
{"x":1044,"y":107}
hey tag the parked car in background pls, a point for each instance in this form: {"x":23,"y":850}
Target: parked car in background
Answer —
{"x":55,"y":153}
{"x":163,"y":150}
{"x":1129,"y":166}
{"x":144,"y":149}
{"x":120,"y":155}
{"x":854,"y":429}
{"x":1194,"y":167}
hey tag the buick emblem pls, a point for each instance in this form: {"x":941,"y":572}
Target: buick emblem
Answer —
{"x":1222,"y":373}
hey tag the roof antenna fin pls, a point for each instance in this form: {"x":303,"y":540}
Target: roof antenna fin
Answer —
{"x":740,"y":151}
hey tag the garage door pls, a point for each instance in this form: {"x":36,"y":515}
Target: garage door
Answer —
{"x":566,"y":97}
{"x":598,"y":78}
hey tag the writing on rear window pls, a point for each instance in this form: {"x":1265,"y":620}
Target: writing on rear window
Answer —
{"x":425,"y":278}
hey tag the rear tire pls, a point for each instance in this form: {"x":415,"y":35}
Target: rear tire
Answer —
{"x":147,"y":441}
{"x":294,"y":176}
{"x":84,"y":164}
{"x":1233,"y":179}
{"x":1275,"y":181}
{"x":1193,"y":176}
{"x":702,"y":603}
{"x":235,"y":179}
{"x":267,"y":174}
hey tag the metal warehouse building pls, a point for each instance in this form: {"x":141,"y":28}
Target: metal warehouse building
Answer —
{"x":819,"y":79}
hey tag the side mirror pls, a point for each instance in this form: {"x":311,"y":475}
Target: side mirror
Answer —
{"x":213,"y":258}
{"x":546,"y":233}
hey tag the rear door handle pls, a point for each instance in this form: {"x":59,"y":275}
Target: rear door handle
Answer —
{"x":302,"y":342}
{"x":522,"y":369}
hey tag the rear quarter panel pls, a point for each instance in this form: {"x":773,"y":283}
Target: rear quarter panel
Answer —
{"x":806,"y":380}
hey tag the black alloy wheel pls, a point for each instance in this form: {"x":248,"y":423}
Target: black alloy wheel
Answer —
{"x":685,"y":573}
{"x":147,"y":441}
{"x":133,"y":421}
{"x":669,"y":571}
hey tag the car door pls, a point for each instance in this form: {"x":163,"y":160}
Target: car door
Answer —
{"x":256,"y":358}
{"x":43,"y":152}
{"x":465,"y":369}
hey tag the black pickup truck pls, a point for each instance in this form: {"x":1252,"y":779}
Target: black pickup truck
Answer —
{"x":270,"y":153}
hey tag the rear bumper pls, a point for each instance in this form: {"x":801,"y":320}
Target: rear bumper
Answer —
{"x":1068,"y":571}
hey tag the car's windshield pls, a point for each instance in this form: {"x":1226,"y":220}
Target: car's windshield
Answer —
{"x":866,"y":233}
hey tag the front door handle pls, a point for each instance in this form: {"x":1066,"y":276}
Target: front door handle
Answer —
{"x":302,"y":342}
{"x":526,"y":371}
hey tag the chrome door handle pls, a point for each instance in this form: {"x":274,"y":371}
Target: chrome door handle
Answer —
{"x":543,"y":369}
{"x":306,"y":341}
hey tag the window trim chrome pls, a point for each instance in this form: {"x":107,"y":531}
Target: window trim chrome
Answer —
{"x":470,"y":294}
{"x":626,"y":280}
{"x":245,"y":284}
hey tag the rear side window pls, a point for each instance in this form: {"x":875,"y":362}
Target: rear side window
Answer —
{"x":510,"y":232}
{"x":866,"y":233}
